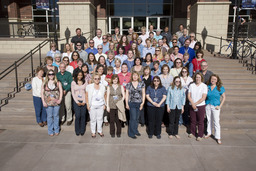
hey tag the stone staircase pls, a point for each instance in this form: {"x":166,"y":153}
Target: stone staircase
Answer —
{"x":237,"y":115}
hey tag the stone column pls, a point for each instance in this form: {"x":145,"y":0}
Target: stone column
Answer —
{"x":101,"y":15}
{"x":210,"y":19}
{"x":76,"y":14}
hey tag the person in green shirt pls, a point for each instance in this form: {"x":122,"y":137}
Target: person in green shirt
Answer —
{"x":65,"y":78}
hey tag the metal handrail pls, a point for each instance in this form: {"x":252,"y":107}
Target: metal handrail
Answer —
{"x":17,"y":63}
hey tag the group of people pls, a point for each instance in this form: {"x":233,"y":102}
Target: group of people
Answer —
{"x":154,"y":79}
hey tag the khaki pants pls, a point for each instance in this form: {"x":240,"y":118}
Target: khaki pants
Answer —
{"x":66,"y":104}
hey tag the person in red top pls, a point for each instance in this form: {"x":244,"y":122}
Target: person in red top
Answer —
{"x":124,"y":75}
{"x":197,"y":61}
{"x":109,"y":74}
{"x":75,"y":56}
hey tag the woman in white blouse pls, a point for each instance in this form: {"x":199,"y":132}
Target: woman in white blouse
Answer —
{"x":197,"y":93}
{"x":38,"y":105}
{"x":95,"y":98}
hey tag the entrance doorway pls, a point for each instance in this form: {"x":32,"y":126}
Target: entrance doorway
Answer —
{"x":124,"y":23}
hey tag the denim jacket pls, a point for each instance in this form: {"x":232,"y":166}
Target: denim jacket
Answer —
{"x":175,"y":97}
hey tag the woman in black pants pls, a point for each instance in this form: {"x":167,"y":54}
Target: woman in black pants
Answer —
{"x":175,"y":105}
{"x":156,"y":95}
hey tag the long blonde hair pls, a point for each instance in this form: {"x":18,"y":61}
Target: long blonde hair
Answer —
{"x":46,"y":80}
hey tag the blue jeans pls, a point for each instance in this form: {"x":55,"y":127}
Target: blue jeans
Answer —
{"x":53,"y":119}
{"x":134,"y":118}
{"x":39,"y":109}
{"x":80,"y":113}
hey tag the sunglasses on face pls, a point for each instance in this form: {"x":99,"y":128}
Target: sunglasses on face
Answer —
{"x":104,"y":38}
{"x":78,"y":45}
{"x":184,"y":71}
{"x":91,"y":42}
{"x":99,"y":48}
{"x":174,"y":42}
{"x":65,"y":60}
{"x":51,"y":74}
{"x":178,"y":62}
{"x":157,"y":50}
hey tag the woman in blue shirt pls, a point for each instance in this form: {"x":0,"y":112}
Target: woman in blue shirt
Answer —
{"x":156,"y":96}
{"x":175,"y":105}
{"x":213,"y":106}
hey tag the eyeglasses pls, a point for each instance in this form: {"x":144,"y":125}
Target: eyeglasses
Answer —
{"x":91,"y":42}
{"x":157,"y":50}
{"x":99,"y":48}
{"x":52,"y":74}
{"x":174,"y":42}
{"x":78,"y":45}
{"x":156,"y":81}
{"x":96,"y":78}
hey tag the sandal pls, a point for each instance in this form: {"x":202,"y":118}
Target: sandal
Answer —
{"x":219,"y":141}
{"x":51,"y":135}
{"x":207,"y":136}
{"x":57,"y":134}
{"x":101,"y":134}
{"x":93,"y":135}
{"x":170,"y":136}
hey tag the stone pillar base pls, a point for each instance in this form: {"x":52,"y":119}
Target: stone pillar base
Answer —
{"x":74,"y":15}
{"x":209,"y":19}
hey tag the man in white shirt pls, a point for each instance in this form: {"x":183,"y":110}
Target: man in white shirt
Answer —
{"x":192,"y":37}
{"x":98,"y":38}
{"x":143,"y":36}
{"x":100,"y":52}
{"x":151,"y":29}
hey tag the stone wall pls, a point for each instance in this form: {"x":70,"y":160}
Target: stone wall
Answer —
{"x":102,"y":24}
{"x":21,"y":46}
{"x":210,"y":19}
{"x":76,"y":14}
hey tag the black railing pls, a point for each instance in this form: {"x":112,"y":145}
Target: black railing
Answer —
{"x":246,"y":50}
{"x":14,"y":67}
{"x":17,"y":63}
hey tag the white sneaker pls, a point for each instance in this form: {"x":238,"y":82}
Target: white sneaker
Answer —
{"x":199,"y":139}
{"x":190,"y":135}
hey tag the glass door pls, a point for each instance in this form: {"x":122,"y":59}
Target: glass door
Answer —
{"x":138,"y":23}
{"x":113,"y":23}
{"x":127,"y":22}
{"x":152,"y":21}
{"x":165,"y":21}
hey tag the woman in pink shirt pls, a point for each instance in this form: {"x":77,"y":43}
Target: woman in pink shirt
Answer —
{"x":78,"y":87}
{"x":176,"y":54}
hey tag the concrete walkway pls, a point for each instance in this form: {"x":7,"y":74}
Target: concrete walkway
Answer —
{"x":27,"y":150}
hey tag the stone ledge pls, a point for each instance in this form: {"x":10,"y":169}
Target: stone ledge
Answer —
{"x":76,"y":3}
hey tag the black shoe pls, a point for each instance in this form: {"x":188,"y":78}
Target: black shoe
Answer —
{"x":62,"y":122}
{"x":118,"y":136}
{"x":142,"y":125}
{"x":77,"y":134}
{"x":82,"y":134}
{"x":158,"y":136}
{"x":69,"y":123}
{"x":150,"y":136}
{"x":134,"y":137}
{"x":138,"y":134}
{"x":112,"y":136}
